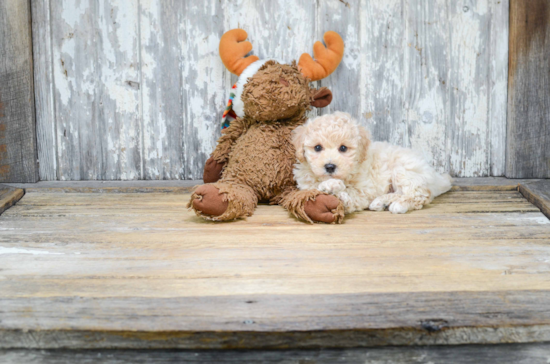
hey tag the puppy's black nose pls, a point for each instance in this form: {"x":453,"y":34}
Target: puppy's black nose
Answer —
{"x":330,"y":168}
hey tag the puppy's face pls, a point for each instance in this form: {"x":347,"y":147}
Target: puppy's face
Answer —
{"x":332,"y":145}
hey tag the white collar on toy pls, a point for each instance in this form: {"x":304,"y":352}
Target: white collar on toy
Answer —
{"x":235,"y":102}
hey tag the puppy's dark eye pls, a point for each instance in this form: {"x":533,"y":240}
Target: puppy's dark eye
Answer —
{"x":318,"y":148}
{"x":343,"y":148}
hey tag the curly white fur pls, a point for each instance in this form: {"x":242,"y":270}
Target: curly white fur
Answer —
{"x":367,"y":175}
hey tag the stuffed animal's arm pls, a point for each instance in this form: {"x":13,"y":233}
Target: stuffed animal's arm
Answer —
{"x":214,"y":165}
{"x":225,"y":142}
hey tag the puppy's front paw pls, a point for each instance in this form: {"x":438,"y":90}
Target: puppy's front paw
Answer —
{"x":332,"y":186}
{"x":344,"y":197}
{"x":398,"y":208}
{"x":377,"y":205}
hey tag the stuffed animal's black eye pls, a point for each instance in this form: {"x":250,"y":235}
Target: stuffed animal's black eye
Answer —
{"x":318,"y":148}
{"x":343,"y":148}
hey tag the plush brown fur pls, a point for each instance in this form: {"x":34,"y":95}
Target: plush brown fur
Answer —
{"x":258,"y":154}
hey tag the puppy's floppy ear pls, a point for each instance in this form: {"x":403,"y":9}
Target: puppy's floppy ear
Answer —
{"x":298,"y":138}
{"x":364,"y":143}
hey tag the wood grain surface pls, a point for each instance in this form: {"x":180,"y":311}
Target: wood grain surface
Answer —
{"x":9,"y":197}
{"x":18,"y":155}
{"x":528,"y":141}
{"x":538,"y":193}
{"x":464,"y":354}
{"x":135,"y":89}
{"x":135,"y":270}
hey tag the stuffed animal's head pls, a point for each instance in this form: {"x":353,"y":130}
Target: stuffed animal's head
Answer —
{"x":269,"y":90}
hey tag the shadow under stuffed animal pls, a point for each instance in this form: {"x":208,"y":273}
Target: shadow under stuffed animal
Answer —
{"x":254,"y":157}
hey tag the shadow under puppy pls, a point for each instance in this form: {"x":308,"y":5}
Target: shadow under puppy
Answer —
{"x":336,"y":156}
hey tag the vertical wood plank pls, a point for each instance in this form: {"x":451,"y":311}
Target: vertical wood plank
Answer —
{"x":498,"y":85}
{"x":17,"y":119}
{"x":204,"y":87}
{"x":44,"y":90}
{"x":345,"y":19}
{"x":528,"y":137}
{"x":426,"y":80}
{"x":468,"y":96}
{"x":162,"y":64}
{"x":96,"y":76}
{"x":382,"y":75}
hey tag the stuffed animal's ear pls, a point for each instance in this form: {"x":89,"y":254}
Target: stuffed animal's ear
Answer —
{"x":298,"y":139}
{"x":325,"y":60}
{"x":321,"y":97}
{"x":364,"y":143}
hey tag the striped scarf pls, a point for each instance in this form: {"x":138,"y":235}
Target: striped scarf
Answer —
{"x":228,"y":114}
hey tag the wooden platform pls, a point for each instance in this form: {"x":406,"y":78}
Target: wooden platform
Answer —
{"x":137,"y":270}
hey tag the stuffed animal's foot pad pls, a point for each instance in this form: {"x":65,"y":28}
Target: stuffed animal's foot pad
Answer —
{"x":209,"y":201}
{"x":325,"y":208}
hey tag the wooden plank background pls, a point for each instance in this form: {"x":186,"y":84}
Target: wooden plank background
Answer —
{"x":135,"y":89}
{"x":17,"y":121}
{"x":528,"y":144}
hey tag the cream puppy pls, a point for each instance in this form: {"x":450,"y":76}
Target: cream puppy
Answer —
{"x":336,"y":156}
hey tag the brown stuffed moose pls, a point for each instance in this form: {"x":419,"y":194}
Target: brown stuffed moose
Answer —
{"x":254,"y":157}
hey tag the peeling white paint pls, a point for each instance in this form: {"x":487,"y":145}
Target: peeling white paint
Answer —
{"x":425,"y":74}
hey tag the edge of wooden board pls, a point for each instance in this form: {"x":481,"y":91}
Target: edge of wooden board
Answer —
{"x":9,"y":196}
{"x":538,"y":193}
{"x":461,"y":354}
{"x":278,"y":321}
{"x":224,"y":340}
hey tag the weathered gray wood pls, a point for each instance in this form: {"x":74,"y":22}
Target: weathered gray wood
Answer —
{"x":204,"y":91}
{"x":163,"y":64}
{"x":466,"y":86}
{"x":96,"y":73}
{"x":168,"y":186}
{"x":424,"y":74}
{"x":459,"y":184}
{"x":384,"y":60}
{"x":465,"y":354}
{"x":129,"y":270}
{"x":528,"y":142}
{"x":277,"y":29}
{"x":489,"y":184}
{"x":538,"y":193}
{"x":344,"y":18}
{"x":284,"y":321}
{"x":17,"y":120}
{"x":44,"y":89}
{"x":498,"y":85}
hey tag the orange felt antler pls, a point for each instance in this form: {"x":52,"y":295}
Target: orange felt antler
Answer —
{"x":233,"y":50}
{"x":326,"y":59}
